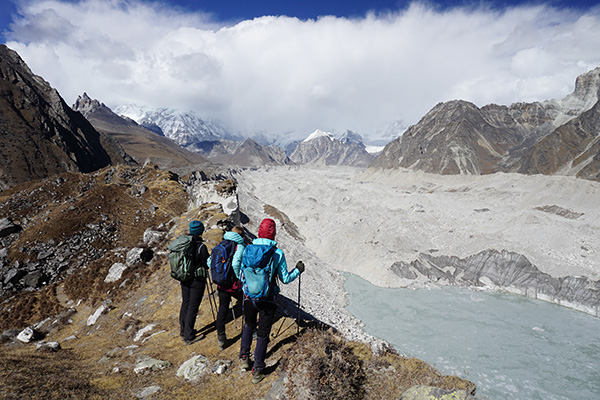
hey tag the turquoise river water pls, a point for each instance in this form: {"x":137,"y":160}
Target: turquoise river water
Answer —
{"x":510,"y":346}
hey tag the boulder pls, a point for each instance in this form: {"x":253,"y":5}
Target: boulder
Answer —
{"x":9,"y":335}
{"x":150,"y":364}
{"x":221,"y":366}
{"x":139,"y":254}
{"x":421,"y":392}
{"x":152,"y":237}
{"x":94,"y":317}
{"x":115,"y":272}
{"x":194,"y":368}
{"x":148,"y":391}
{"x":34,"y":279}
{"x":28,"y":334}
{"x":13,"y":275}
{"x":48,"y":346}
{"x":7,"y":227}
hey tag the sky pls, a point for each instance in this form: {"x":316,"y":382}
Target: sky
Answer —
{"x":287,"y":68}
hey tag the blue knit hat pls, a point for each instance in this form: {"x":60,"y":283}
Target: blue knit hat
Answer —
{"x":196,"y":228}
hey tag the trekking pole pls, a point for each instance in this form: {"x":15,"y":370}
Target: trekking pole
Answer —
{"x":298,"y":314}
{"x":233,"y":313}
{"x":280,"y":325}
{"x":211,"y":296}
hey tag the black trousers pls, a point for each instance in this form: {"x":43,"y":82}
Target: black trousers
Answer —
{"x":192,"y":292}
{"x":224,"y":301}
{"x":259,"y":316}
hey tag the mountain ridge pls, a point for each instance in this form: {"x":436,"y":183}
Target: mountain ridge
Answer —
{"x":142,"y":144}
{"x":41,"y":134}
{"x":457,"y":137}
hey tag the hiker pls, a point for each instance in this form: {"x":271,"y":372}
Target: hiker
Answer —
{"x":262,"y":306}
{"x":231,"y":287}
{"x":192,"y":290}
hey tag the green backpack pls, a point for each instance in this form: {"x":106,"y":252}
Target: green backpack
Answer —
{"x":180,"y":258}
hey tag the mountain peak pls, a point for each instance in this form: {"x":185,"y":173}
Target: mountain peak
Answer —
{"x":351,"y":137}
{"x":85,"y":105}
{"x":318,"y":134}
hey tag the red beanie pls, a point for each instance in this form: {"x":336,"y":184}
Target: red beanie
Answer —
{"x":267,"y":229}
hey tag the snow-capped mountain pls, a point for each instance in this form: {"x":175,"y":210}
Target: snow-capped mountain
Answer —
{"x":184,"y":127}
{"x":139,"y":142}
{"x":318,"y":134}
{"x":351,"y":137}
{"x":322,"y":148}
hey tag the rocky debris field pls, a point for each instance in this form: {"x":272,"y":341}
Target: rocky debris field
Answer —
{"x":532,"y":235}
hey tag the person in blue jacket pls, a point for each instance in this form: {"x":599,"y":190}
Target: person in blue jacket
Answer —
{"x":259,"y":315}
{"x":231,"y":291}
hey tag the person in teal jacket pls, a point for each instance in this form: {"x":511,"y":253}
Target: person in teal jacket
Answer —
{"x":259,"y":315}
{"x":234,"y":290}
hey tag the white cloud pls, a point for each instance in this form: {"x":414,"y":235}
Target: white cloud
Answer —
{"x":282,"y":74}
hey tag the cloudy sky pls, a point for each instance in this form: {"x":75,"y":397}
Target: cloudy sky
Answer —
{"x":290,"y":67}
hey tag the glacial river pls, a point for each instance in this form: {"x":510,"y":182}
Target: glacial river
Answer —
{"x":510,"y":346}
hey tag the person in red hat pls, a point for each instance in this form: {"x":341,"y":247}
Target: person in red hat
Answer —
{"x":259,"y":315}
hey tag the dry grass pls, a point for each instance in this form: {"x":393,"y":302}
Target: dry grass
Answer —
{"x":26,"y":374}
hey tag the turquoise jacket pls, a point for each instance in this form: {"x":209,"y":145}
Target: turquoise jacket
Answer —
{"x":279,"y":259}
{"x":236,"y":263}
{"x":239,"y":251}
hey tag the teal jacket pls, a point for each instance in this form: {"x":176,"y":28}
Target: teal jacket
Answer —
{"x":279,"y":259}
{"x":239,"y":251}
{"x":236,"y":263}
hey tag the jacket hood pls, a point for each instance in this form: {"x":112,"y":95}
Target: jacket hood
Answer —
{"x":236,"y":237}
{"x":264,"y":241}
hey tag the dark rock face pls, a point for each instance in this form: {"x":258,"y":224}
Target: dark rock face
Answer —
{"x":505,"y":270}
{"x":39,"y":134}
{"x":7,"y":227}
{"x":457,"y":137}
{"x":574,"y":145}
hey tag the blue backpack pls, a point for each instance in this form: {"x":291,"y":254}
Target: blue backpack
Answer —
{"x":220,"y":263}
{"x":258,"y":271}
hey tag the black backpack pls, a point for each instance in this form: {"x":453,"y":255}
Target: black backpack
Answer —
{"x":220,"y":263}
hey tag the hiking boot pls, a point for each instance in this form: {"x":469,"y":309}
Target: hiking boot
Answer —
{"x":257,"y":376}
{"x":197,"y":338}
{"x":194,"y":332}
{"x":221,"y":345}
{"x":245,"y":362}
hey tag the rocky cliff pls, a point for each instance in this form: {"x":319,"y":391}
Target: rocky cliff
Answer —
{"x":552,"y":137}
{"x":40,"y":135}
{"x":503,"y":271}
